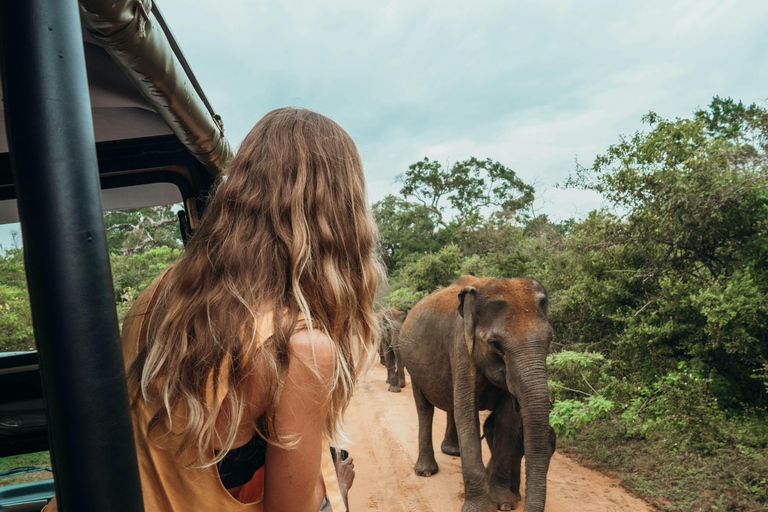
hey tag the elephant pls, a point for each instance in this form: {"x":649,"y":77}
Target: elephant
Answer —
{"x":450,"y":444}
{"x":482,"y":344}
{"x":518,"y":447}
{"x":390,"y":322}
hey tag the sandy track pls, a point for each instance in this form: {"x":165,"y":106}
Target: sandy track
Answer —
{"x":384,"y":428}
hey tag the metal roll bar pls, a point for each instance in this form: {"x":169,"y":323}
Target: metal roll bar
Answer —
{"x":137,"y":38}
{"x":55,"y":170}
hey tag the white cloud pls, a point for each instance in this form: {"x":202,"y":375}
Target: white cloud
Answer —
{"x":699,"y":16}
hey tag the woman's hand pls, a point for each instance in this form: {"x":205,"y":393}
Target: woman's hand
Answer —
{"x":291,"y":481}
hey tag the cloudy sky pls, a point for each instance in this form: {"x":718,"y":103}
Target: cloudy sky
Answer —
{"x":534,"y":85}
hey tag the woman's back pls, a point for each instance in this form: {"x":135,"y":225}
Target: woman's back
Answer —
{"x":262,"y":324}
{"x":170,"y":481}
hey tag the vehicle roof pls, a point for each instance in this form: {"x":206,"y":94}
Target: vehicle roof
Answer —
{"x":135,"y":145}
{"x":119,"y":110}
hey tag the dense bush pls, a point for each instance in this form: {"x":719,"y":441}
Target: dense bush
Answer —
{"x":142,"y":243}
{"x":15,"y":315}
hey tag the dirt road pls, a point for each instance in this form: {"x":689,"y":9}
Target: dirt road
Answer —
{"x":384,"y":428}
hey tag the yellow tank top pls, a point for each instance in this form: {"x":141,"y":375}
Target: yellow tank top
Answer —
{"x":171,"y":483}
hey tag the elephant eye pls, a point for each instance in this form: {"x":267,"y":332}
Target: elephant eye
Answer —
{"x":496,"y":346}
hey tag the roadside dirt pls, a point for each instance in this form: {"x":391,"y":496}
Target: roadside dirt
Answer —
{"x":384,"y":429}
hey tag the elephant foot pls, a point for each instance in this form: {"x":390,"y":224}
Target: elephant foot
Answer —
{"x":450,"y":448}
{"x":402,"y":383}
{"x":479,"y":505}
{"x":426,"y":467}
{"x":393,"y":389}
{"x":504,"y":499}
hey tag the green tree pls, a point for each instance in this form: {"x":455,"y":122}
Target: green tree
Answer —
{"x":680,"y":272}
{"x":434,"y":269}
{"x":404,"y":228}
{"x":469,"y":187}
{"x":15,"y":313}
{"x":131,"y":231}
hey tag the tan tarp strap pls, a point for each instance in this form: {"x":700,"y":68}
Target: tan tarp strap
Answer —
{"x":328,"y":469}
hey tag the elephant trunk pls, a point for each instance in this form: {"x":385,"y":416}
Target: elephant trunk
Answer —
{"x":533,"y":395}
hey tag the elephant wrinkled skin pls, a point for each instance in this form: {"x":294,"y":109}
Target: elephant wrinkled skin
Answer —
{"x":518,"y":443}
{"x":390,"y":322}
{"x":482,"y":344}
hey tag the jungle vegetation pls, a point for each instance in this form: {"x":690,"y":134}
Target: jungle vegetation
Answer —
{"x":658,"y":300}
{"x":141,"y":243}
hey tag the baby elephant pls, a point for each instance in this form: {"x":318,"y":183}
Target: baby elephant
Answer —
{"x":518,"y":449}
{"x":390,"y":322}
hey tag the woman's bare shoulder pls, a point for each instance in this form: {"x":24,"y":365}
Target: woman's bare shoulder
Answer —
{"x":314,"y":347}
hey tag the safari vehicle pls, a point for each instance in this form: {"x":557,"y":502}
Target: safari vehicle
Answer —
{"x":101,"y":113}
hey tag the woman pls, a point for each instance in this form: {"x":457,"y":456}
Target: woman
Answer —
{"x":259,"y":329}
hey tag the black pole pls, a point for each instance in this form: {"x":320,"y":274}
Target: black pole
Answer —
{"x":53,"y":155}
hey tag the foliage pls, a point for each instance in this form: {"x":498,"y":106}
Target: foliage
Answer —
{"x":469,"y":187}
{"x":15,"y":319}
{"x":131,"y":273}
{"x":463,"y":221}
{"x":659,"y":300}
{"x":570,"y":374}
{"x":434,"y":270}
{"x":568,"y":416}
{"x":142,"y":243}
{"x":131,"y":231}
{"x":404,"y":299}
{"x":404,"y":229}
{"x":685,"y":250}
{"x":15,"y":314}
{"x":675,"y":477}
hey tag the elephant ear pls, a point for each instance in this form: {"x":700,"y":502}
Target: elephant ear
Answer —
{"x":467,"y":300}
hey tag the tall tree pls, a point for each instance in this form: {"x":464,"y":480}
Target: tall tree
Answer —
{"x":470,"y":187}
{"x":404,"y":228}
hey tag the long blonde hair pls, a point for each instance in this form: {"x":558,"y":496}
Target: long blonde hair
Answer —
{"x":288,"y":231}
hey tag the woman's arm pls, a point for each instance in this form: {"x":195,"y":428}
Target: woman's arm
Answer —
{"x":291,"y":476}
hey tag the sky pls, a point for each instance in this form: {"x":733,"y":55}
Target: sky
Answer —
{"x":533,"y":85}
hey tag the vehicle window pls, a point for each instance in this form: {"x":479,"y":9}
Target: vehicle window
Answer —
{"x":142,"y":242}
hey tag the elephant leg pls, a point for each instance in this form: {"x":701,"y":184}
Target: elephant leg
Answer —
{"x":389,"y":358}
{"x":426,"y":465}
{"x":382,"y":349}
{"x":516,"y":461}
{"x":477,"y":496}
{"x":450,"y":444}
{"x":502,"y":435}
{"x":398,"y":358}
{"x":400,"y":367}
{"x":552,"y":442}
{"x":488,"y":428}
